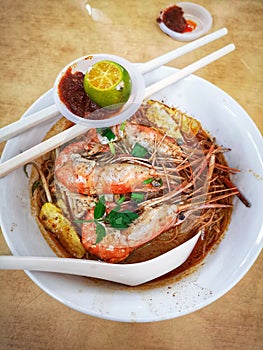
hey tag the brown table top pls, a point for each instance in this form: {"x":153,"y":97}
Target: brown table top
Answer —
{"x":40,"y":37}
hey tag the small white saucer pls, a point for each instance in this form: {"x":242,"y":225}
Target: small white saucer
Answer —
{"x":82,"y":64}
{"x":195,"y":13}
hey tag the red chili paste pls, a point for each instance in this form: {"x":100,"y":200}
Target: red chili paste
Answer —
{"x":191,"y":25}
{"x":173,"y":18}
{"x":72,"y":94}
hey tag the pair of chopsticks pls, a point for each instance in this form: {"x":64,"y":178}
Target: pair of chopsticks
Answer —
{"x":50,"y":112}
{"x":76,"y":130}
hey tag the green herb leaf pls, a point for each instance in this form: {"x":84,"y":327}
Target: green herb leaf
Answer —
{"x":139,"y":151}
{"x":106,"y":132}
{"x":115,"y":218}
{"x":100,"y":208}
{"x":100,"y":232}
{"x":148,"y":181}
{"x":137,"y":197}
{"x":121,"y":200}
{"x":154,"y":181}
{"x":131,"y":214}
{"x":112,"y":214}
{"x":121,"y":219}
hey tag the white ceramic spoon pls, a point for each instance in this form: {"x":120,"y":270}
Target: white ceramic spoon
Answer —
{"x":129,"y":274}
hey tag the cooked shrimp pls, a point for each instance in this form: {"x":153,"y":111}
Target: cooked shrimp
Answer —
{"x":118,"y":244}
{"x":87,"y":176}
{"x":152,"y":139}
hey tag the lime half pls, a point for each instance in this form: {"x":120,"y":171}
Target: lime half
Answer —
{"x":108,"y":84}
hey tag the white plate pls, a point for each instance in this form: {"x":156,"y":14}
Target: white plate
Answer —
{"x":233,"y":128}
{"x":195,"y":13}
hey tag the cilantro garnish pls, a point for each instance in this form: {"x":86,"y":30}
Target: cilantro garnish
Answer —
{"x":121,"y":219}
{"x":148,"y":181}
{"x":109,"y":134}
{"x":116,"y":218}
{"x":153,"y":181}
{"x":137,"y":197}
{"x":121,"y":200}
{"x":100,"y":208}
{"x":139,"y":151}
{"x":100,"y":232}
{"x":106,"y":132}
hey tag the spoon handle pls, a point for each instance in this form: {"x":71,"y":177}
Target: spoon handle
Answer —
{"x":129,"y":274}
{"x":87,"y":268}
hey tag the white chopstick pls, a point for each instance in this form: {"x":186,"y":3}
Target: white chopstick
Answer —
{"x":50,"y":112}
{"x":76,"y":130}
{"x":28,"y":122}
{"x":181,"y":51}
{"x":174,"y":78}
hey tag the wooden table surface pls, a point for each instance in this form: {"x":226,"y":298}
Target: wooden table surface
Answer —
{"x":38,"y":38}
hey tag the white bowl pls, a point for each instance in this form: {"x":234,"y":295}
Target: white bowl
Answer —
{"x":231,"y":125}
{"x":195,"y":13}
{"x":82,"y":65}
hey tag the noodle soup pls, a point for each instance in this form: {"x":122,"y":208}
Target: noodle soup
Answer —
{"x":134,"y":191}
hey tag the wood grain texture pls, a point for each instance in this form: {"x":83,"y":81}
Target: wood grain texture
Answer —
{"x":38,"y":38}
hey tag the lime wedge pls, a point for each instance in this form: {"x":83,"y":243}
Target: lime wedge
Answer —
{"x":108,"y":84}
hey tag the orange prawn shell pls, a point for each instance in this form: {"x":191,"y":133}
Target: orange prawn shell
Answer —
{"x":117,"y":245}
{"x":109,"y":253}
{"x":86,"y":177}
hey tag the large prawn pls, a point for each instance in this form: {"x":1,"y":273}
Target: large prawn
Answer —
{"x":117,"y":245}
{"x":81,"y":174}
